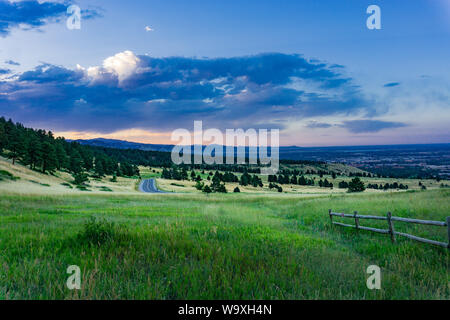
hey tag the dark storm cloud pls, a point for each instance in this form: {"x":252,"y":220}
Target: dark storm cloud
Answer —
{"x":370,"y":126}
{"x":12,"y":63}
{"x":318,"y":125}
{"x":170,"y":93}
{"x":392,"y":84}
{"x":32,"y":14}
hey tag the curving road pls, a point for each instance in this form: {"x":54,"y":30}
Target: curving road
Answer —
{"x":149,"y":186}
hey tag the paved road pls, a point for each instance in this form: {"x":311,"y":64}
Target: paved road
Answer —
{"x":149,"y":186}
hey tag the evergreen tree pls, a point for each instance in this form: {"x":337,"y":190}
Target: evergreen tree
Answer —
{"x":245,"y":179}
{"x":343,"y":185}
{"x":76,"y":162}
{"x":199,"y":185}
{"x":33,"y":154}
{"x":80,"y":178}
{"x":99,"y":168}
{"x":356,"y":185}
{"x":294,"y":180}
{"x":207,"y":190}
{"x":15,"y":145}
{"x":3,"y":137}
{"x":49,"y":161}
{"x":61,"y":156}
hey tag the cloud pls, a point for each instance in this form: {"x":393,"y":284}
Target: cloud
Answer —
{"x":4,"y":71}
{"x":370,"y":126}
{"x":148,"y":29}
{"x":12,"y":63}
{"x":391,"y":84}
{"x":32,"y":14}
{"x":121,"y":65}
{"x":318,"y":125}
{"x":133,"y":91}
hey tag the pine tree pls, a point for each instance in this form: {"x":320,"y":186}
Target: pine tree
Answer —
{"x":356,"y":185}
{"x":207,"y":190}
{"x":75,"y":162}
{"x":99,"y":167}
{"x":49,"y":161}
{"x":3,"y":137}
{"x":199,"y":185}
{"x":80,"y":178}
{"x":15,"y":145}
{"x":61,"y":156}
{"x":245,"y":179}
{"x":33,"y":151}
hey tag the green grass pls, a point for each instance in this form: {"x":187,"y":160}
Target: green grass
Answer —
{"x":229,"y":246}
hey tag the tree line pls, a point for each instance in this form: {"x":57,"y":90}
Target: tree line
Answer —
{"x":41,"y":151}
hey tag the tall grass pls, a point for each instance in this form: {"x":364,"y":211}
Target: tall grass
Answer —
{"x":217,"y":247}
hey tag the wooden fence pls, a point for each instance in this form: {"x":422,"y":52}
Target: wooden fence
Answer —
{"x":391,"y":230}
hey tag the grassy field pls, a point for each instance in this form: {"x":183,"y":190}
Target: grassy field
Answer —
{"x":232,"y":246}
{"x":189,"y":186}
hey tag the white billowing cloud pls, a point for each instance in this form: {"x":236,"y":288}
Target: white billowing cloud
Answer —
{"x":148,"y":29}
{"x":122,"y":65}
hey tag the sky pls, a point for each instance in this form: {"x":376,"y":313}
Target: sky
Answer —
{"x":138,"y":70}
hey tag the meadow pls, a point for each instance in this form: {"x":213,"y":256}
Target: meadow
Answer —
{"x":228,"y":246}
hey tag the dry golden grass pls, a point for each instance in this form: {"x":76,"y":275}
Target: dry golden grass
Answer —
{"x":33,"y":182}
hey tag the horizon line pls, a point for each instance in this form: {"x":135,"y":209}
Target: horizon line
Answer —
{"x":285,"y":146}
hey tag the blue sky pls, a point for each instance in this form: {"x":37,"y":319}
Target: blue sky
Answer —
{"x":310,"y":68}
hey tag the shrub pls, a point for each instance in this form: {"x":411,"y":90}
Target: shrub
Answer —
{"x":97,"y":232}
{"x":7,"y":175}
{"x":83,"y":188}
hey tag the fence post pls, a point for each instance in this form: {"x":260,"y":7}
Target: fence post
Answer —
{"x":448,"y":232}
{"x":356,"y":221}
{"x":391,"y":226}
{"x":331,"y":217}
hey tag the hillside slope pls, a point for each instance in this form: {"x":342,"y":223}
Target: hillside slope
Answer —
{"x":20,"y":179}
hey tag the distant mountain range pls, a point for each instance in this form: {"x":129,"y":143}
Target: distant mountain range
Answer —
{"x":436,"y":153}
{"x":121,"y":144}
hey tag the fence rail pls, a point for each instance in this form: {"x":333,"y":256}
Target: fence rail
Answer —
{"x":391,"y":230}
